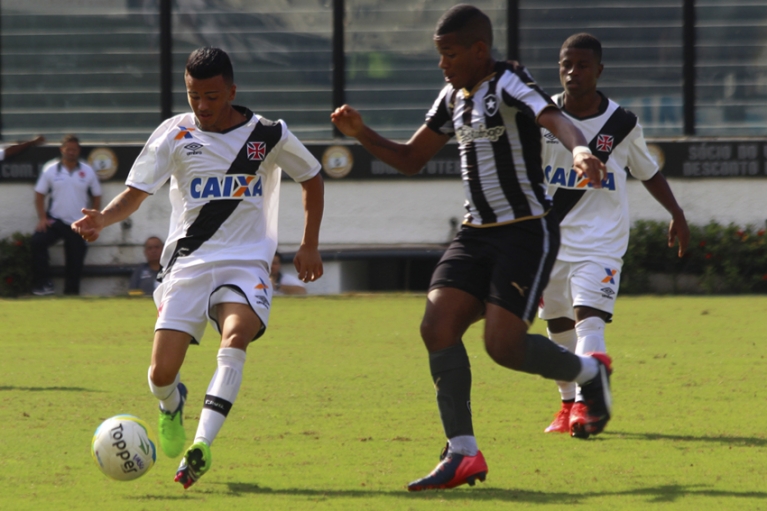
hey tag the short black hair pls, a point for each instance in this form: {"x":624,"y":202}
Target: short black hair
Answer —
{"x":69,"y":138}
{"x":584,"y":41}
{"x":468,"y":23}
{"x":207,"y":62}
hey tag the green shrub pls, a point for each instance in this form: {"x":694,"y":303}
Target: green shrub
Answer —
{"x":727,"y":259}
{"x":15,"y":265}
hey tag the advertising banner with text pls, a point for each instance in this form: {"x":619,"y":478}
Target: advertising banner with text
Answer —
{"x":690,"y":159}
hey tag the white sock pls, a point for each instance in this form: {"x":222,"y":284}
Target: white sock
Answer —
{"x":221,"y":394}
{"x":591,"y":335}
{"x":589,"y":370}
{"x":569,"y":340}
{"x":464,"y":444}
{"x":168,"y":395}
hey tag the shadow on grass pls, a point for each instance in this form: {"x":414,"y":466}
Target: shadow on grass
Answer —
{"x":48,"y":389}
{"x":721,"y":439}
{"x":666,"y":493}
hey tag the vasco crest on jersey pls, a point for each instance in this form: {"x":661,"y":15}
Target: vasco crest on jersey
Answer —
{"x":605,"y":143}
{"x":256,"y":151}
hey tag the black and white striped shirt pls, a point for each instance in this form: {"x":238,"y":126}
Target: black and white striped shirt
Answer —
{"x":499,"y":143}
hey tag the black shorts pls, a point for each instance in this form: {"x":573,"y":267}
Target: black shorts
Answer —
{"x":508,"y":265}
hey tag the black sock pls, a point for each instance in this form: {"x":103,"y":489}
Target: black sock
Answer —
{"x":549,"y":359}
{"x":451,"y":373}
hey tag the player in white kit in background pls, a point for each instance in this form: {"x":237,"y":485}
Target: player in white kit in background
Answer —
{"x":580,"y":296}
{"x":224,"y":164}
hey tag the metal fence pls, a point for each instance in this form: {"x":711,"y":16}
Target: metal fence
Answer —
{"x":111,"y":70}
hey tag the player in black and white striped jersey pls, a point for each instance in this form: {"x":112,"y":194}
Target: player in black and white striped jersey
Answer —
{"x":499,"y":262}
{"x":594,"y":223}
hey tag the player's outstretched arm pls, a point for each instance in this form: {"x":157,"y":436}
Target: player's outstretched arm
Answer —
{"x":677,"y":228}
{"x":15,"y":149}
{"x":121,"y":207}
{"x":308,"y":262}
{"x":572,"y":138}
{"x":408,"y":158}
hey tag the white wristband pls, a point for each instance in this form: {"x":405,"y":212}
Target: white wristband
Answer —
{"x":580,"y":149}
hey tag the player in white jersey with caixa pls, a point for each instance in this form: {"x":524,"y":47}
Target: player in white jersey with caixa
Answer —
{"x":594,"y":223}
{"x":224,"y":164}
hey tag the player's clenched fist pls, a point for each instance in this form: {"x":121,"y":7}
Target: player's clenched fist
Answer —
{"x":90,"y":225}
{"x":348,"y":120}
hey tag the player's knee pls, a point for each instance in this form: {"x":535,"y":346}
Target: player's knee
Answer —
{"x":428,"y":332}
{"x":161,"y":375}
{"x":436,"y":335}
{"x":236,"y":339}
{"x":505,"y":351}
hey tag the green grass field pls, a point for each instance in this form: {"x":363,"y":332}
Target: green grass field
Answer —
{"x":337,"y":411}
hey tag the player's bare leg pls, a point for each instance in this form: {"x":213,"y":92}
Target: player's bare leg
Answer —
{"x":508,"y":343}
{"x":239,"y":326}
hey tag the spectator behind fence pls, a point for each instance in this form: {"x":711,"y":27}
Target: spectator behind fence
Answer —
{"x":284,"y":284}
{"x":68,"y":181}
{"x":144,"y":278}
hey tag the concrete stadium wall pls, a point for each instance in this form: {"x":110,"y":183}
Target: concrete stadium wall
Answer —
{"x":371,"y":214}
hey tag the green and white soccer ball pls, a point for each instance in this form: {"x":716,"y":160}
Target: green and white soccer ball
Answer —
{"x":124,"y":447}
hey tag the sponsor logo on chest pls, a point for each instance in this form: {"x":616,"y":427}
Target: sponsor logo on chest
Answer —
{"x":466,"y":134}
{"x":234,"y":186}
{"x":570,"y":179}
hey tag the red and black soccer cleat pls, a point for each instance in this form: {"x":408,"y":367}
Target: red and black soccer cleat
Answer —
{"x":561,"y":423}
{"x":591,"y":416}
{"x":454,"y":470}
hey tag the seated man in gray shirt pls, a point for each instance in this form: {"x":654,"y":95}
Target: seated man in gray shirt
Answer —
{"x":144,"y":278}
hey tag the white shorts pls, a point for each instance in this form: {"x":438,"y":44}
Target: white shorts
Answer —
{"x":186,"y":299}
{"x":589,"y":284}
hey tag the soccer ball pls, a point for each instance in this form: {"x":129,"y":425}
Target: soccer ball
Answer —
{"x":124,"y":447}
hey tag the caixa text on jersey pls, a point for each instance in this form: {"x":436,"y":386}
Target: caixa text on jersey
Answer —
{"x":571,"y":179}
{"x":234,"y":186}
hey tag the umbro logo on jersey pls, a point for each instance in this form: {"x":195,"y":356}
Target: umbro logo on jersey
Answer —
{"x":193,"y":148}
{"x":605,"y":143}
{"x":234,"y":186}
{"x":256,"y":151}
{"x":262,"y":301}
{"x":607,"y":293}
{"x":571,"y":179}
{"x":466,"y":134}
{"x":184,"y":133}
{"x":610,"y":274}
{"x":491,"y":105}
{"x":550,"y":137}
